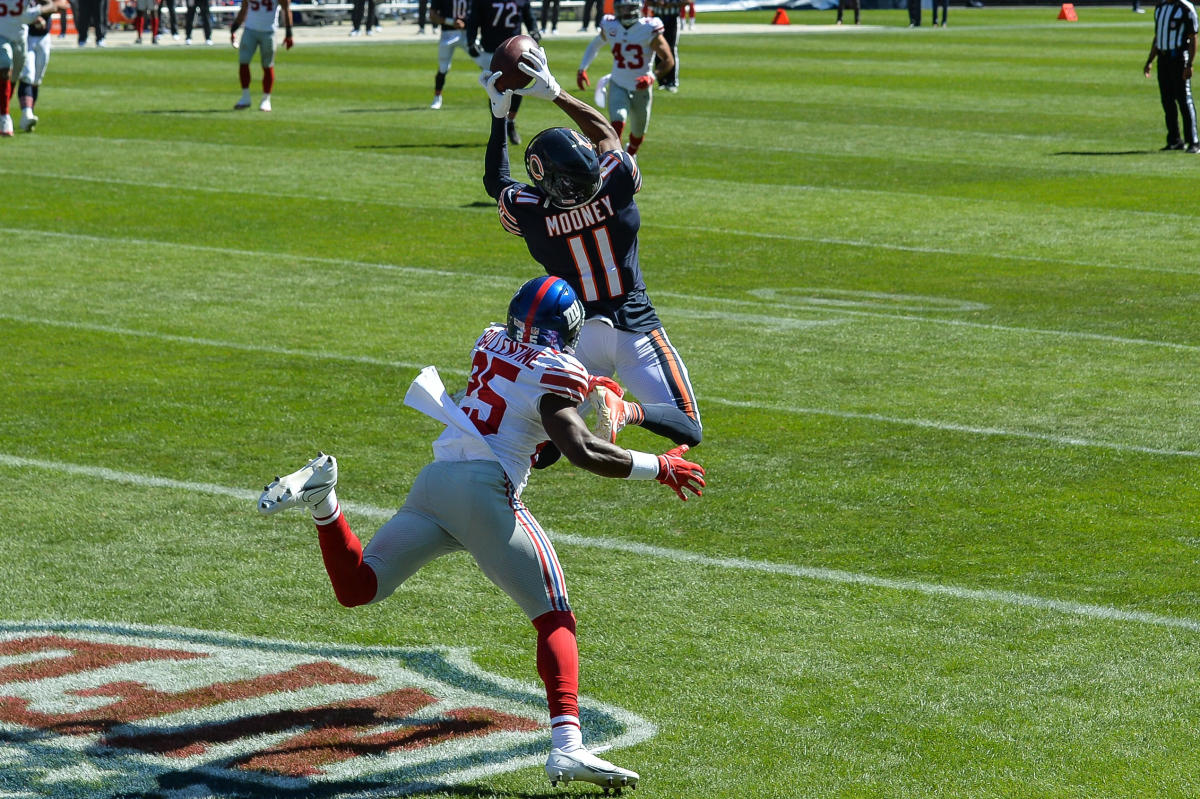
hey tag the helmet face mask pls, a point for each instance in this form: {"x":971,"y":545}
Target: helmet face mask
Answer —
{"x":564,"y":166}
{"x":627,"y":13}
{"x":546,"y":312}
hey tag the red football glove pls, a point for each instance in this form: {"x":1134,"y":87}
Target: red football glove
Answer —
{"x":678,"y":474}
{"x":581,"y":79}
{"x":644,"y":82}
{"x":606,"y":382}
{"x":287,"y":42}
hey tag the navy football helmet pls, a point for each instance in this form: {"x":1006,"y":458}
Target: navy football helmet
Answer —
{"x":546,"y":311}
{"x":564,"y":165}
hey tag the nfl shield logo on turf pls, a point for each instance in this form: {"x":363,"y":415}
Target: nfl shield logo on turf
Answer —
{"x":101,"y":710}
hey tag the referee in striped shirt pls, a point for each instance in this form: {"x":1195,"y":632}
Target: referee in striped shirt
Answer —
{"x":1174,"y":45}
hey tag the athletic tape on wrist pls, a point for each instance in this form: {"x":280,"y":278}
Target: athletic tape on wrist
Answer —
{"x":645,"y":465}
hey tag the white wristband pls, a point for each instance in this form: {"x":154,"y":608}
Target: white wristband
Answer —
{"x":645,"y":465}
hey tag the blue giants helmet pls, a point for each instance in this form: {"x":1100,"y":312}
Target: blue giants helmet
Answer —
{"x":545,"y":311}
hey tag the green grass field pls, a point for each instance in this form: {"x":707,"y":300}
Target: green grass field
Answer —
{"x":936,"y":290}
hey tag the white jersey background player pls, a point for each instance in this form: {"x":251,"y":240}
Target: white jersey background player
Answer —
{"x":261,"y":18}
{"x":15,"y":16}
{"x":524,"y":389}
{"x":640,"y":54}
{"x":37,"y":58}
{"x":452,"y":16}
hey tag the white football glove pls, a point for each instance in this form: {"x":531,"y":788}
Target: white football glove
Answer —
{"x":544,"y":85}
{"x":500,"y":100}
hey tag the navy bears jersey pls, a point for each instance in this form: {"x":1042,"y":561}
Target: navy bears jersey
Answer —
{"x":593,"y":247}
{"x":451,"y":10}
{"x":497,"y":20}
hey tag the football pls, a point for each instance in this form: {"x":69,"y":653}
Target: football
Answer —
{"x":505,"y":59}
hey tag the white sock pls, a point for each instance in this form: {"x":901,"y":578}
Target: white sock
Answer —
{"x":565,"y":733}
{"x":327,"y":509}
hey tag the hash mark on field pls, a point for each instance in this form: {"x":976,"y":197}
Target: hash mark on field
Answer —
{"x":1099,"y":612}
{"x":761,"y":406}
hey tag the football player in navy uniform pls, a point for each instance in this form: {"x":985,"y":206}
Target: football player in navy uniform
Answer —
{"x":494,"y":21}
{"x":580,"y":222}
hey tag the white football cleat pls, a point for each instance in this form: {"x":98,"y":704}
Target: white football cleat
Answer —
{"x":437,"y":102}
{"x":243,"y":103}
{"x":610,"y":413}
{"x":29,"y":122}
{"x":6,"y":126}
{"x":307,"y":486}
{"x":265,"y":105}
{"x":580,"y":765}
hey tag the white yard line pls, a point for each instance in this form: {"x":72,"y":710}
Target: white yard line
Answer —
{"x":950,"y":427}
{"x":1097,"y":612}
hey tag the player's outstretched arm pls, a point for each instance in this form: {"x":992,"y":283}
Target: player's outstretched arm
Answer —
{"x":285,"y":11}
{"x":571,"y":436}
{"x":591,"y":122}
{"x":664,"y":60}
{"x":238,"y":19}
{"x":496,"y":175}
{"x":589,"y":55}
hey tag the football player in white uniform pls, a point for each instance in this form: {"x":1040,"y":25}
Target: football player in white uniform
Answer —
{"x":451,"y":15}
{"x":262,"y":19}
{"x":523,"y":392}
{"x":640,"y":54}
{"x":15,"y":16}
{"x":37,"y":56}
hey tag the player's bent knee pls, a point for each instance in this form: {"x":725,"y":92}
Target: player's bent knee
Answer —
{"x":692,"y":435}
{"x":359,"y":591}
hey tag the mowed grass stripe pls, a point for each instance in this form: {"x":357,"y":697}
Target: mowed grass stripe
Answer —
{"x":225,"y":187}
{"x":1061,"y":440}
{"x":1095,"y":612}
{"x":762,"y":309}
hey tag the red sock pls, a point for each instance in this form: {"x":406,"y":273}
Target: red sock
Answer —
{"x":268,"y":79}
{"x":244,"y":75}
{"x":5,"y":97}
{"x":634,"y":143}
{"x":618,"y":126}
{"x":558,"y":661}
{"x":354,"y":582}
{"x":154,"y":26}
{"x":139,"y":25}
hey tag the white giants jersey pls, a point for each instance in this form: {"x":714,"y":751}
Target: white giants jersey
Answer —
{"x":263,"y":15}
{"x":15,"y":16}
{"x":631,"y":51}
{"x":508,"y":380}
